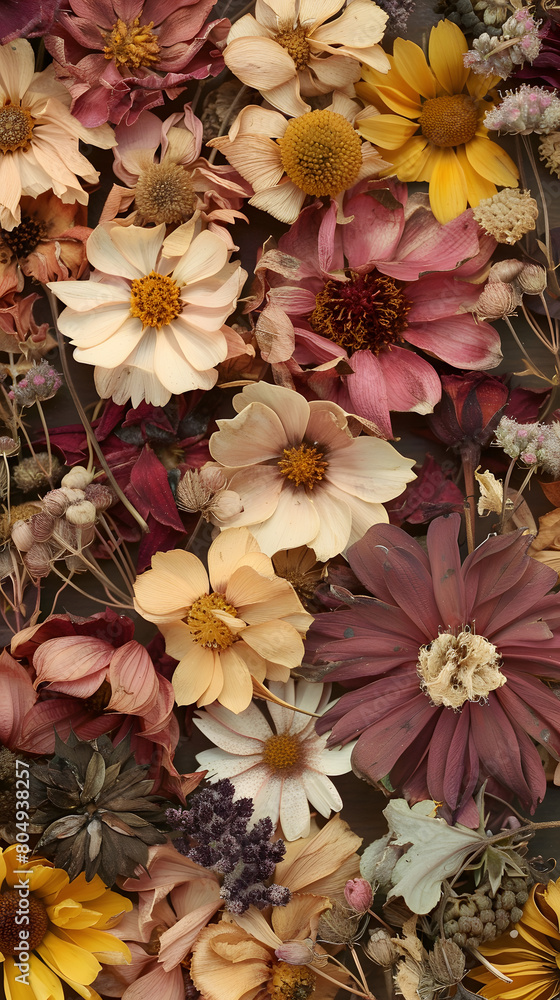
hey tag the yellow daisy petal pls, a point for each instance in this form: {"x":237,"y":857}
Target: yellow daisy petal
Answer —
{"x":387,"y":131}
{"x":491,"y":162}
{"x":448,"y":186}
{"x":410,"y":162}
{"x":411,"y":63}
{"x":395,"y":101}
{"x":478,"y":187}
{"x":446,"y":48}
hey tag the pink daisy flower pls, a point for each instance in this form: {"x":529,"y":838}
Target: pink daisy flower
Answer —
{"x":449,"y":664}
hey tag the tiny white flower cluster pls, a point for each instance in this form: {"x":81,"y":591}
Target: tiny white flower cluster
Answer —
{"x":534,"y":444}
{"x":499,"y":54}
{"x":529,"y":109}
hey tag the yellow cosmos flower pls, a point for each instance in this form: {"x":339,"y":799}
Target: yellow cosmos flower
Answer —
{"x":434,"y":129}
{"x":52,"y":929}
{"x":529,"y":955}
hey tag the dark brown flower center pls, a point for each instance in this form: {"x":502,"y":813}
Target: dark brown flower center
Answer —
{"x":131,"y":44}
{"x":99,"y":699}
{"x":368,"y":312}
{"x":304,"y":466}
{"x":13,"y":905}
{"x":16,"y":128}
{"x":23,"y":239}
{"x":449,"y":121}
{"x":295,"y":42}
{"x":164,"y":193}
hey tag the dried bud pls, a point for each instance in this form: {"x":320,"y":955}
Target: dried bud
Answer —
{"x":81,"y":514}
{"x":41,"y":382}
{"x":205,"y":490}
{"x":447,"y":962}
{"x":338,"y":925}
{"x":56,"y":502}
{"x":102,"y":497}
{"x":38,"y":560}
{"x":42,"y":526}
{"x":31,"y":474}
{"x":358,"y":894}
{"x":470,"y":408}
{"x":507,"y":216}
{"x":73,"y":495}
{"x":78,"y":478}
{"x":532,"y":280}
{"x":22,"y":536}
{"x":505,"y":270}
{"x":295,"y":952}
{"x":381,"y":949}
{"x":498,"y":299}
{"x":8,"y":446}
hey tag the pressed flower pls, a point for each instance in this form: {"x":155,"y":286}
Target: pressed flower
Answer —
{"x":528,"y":955}
{"x":38,"y":136}
{"x":287,"y":50}
{"x":49,"y":243}
{"x":152,"y":322}
{"x":318,"y":153}
{"x":303,"y":479}
{"x":236,"y":623}
{"x":280,"y":769}
{"x":68,"y":924}
{"x":450,"y":663}
{"x":431,"y":123}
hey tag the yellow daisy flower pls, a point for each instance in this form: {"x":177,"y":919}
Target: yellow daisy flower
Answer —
{"x":434,"y":130}
{"x":53,"y":930}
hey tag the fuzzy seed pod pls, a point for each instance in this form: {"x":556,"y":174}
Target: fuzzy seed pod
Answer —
{"x":81,"y":514}
{"x":78,"y":478}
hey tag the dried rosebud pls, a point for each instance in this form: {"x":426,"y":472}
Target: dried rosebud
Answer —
{"x":358,"y":894}
{"x":102,"y":497}
{"x":447,"y":962}
{"x":497,"y":299}
{"x":470,"y":408}
{"x":81,"y":514}
{"x":42,"y":526}
{"x":381,"y":949}
{"x":38,"y":560}
{"x":532,"y":280}
{"x":22,"y":536}
{"x":295,"y":952}
{"x":78,"y":478}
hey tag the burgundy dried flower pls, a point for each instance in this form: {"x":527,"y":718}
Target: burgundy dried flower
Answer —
{"x":449,"y":664}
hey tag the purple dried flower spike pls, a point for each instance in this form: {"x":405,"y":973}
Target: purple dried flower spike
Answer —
{"x":216,"y":836}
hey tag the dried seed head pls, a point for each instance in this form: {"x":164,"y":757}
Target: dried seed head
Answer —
{"x":78,"y":478}
{"x":38,"y":560}
{"x":102,"y":497}
{"x":447,"y":962}
{"x":532,"y":280}
{"x":8,"y":446}
{"x":205,"y":490}
{"x":498,"y":299}
{"x":339,"y":925}
{"x":31,"y":474}
{"x":381,"y":949}
{"x":55,"y":502}
{"x":508,"y":215}
{"x":549,"y":152}
{"x":81,"y":514}
{"x":42,"y":526}
{"x":22,"y":536}
{"x":19,"y":512}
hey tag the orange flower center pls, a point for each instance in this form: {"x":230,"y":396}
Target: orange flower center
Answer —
{"x":449,"y":121}
{"x":366,"y":313}
{"x":282,"y":751}
{"x":13,"y":904}
{"x":457,"y":668}
{"x":291,"y":982}
{"x":321,"y":153}
{"x":16,"y":128}
{"x":131,"y":44}
{"x":155,"y":299}
{"x":205,"y":627}
{"x":164,"y":193}
{"x":295,"y":42}
{"x":23,"y":239}
{"x":305,"y":466}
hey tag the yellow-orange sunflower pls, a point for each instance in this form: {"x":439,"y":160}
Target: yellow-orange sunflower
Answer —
{"x":430,"y":125}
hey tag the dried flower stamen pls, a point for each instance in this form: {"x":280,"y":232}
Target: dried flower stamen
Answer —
{"x":155,"y":299}
{"x":294,"y":40}
{"x":164,"y":193}
{"x":449,"y":121}
{"x":321,"y":153}
{"x":305,"y":465}
{"x":16,"y":128}
{"x":291,"y":982}
{"x":131,"y":44}
{"x":459,"y":668}
{"x":23,"y":239}
{"x":206,"y":628}
{"x":10,"y":903}
{"x":282,"y":751}
{"x":369,"y":312}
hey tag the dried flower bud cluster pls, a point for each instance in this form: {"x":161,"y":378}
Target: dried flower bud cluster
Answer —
{"x":508,"y":215}
{"x":508,"y":281}
{"x":498,"y":55}
{"x":549,"y":152}
{"x":534,"y":444}
{"x":36,"y":472}
{"x":529,"y":109}
{"x":205,"y":490}
{"x":41,"y":382}
{"x":470,"y":920}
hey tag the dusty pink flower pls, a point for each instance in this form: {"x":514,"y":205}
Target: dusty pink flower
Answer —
{"x":350,"y":298}
{"x":176,"y":183}
{"x":449,"y":664}
{"x":119,"y":57}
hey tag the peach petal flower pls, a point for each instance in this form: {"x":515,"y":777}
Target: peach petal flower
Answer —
{"x":38,"y":136}
{"x":236,"y":623}
{"x":152,"y":318}
{"x":302,"y":477}
{"x":287,"y":49}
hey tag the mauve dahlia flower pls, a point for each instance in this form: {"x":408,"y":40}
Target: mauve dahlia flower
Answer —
{"x":450,"y":665}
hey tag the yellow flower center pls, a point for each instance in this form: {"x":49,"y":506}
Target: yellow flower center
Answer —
{"x":321,"y":153}
{"x":305,"y":465}
{"x":449,"y":121}
{"x":155,"y":299}
{"x":295,"y":42}
{"x":291,"y":982}
{"x":12,"y":905}
{"x":131,"y":44}
{"x":20,"y":512}
{"x":282,"y":751}
{"x":366,"y":313}
{"x":206,"y":629}
{"x":16,"y":128}
{"x":23,"y":239}
{"x":459,"y":668}
{"x":164,"y":193}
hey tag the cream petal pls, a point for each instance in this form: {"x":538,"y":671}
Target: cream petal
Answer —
{"x":175,"y":581}
{"x":257,"y":158}
{"x":245,"y":26}
{"x":218,"y":291}
{"x":371,"y":469}
{"x":237,"y":690}
{"x":335,"y":524}
{"x":290,"y":407}
{"x":222,"y":764}
{"x":364,"y":514}
{"x":259,"y":62}
{"x":275,"y":641}
{"x":264,"y":788}
{"x":255,"y":120}
{"x":314,"y":12}
{"x":335,"y":72}
{"x":201,"y":350}
{"x":193,"y":673}
{"x":105,"y":256}
{"x":337,"y":760}
{"x":243,"y":733}
{"x":83,"y":296}
{"x":92,"y":328}
{"x":287,"y":98}
{"x":206,"y":255}
{"x":294,"y":522}
{"x":173,"y":369}
{"x":321,"y":792}
{"x":139,"y":246}
{"x":116,"y":349}
{"x":17,"y":68}
{"x":254,"y":435}
{"x":276,"y":13}
{"x":225,"y":554}
{"x":259,"y":488}
{"x":294,"y":810}
{"x":361,"y":21}
{"x":259,"y":600}
{"x":283,"y":202}
{"x":10,"y":186}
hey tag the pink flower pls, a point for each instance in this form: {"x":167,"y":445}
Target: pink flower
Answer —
{"x":118,"y":58}
{"x":450,"y":664}
{"x":349,"y":298}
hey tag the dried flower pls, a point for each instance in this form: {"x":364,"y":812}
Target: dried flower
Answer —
{"x":447,"y":962}
{"x":534,"y":444}
{"x":498,"y":55}
{"x":529,"y":109}
{"x":508,"y":215}
{"x":32,"y":474}
{"x":470,"y":409}
{"x":338,"y":925}
{"x":218,"y":834}
{"x":380,"y":948}
{"x":549,"y":152}
{"x":532,"y":280}
{"x":497,"y":299}
{"x":358,"y":894}
{"x":205,"y":490}
{"x":41,"y":382}
{"x":77,"y":479}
